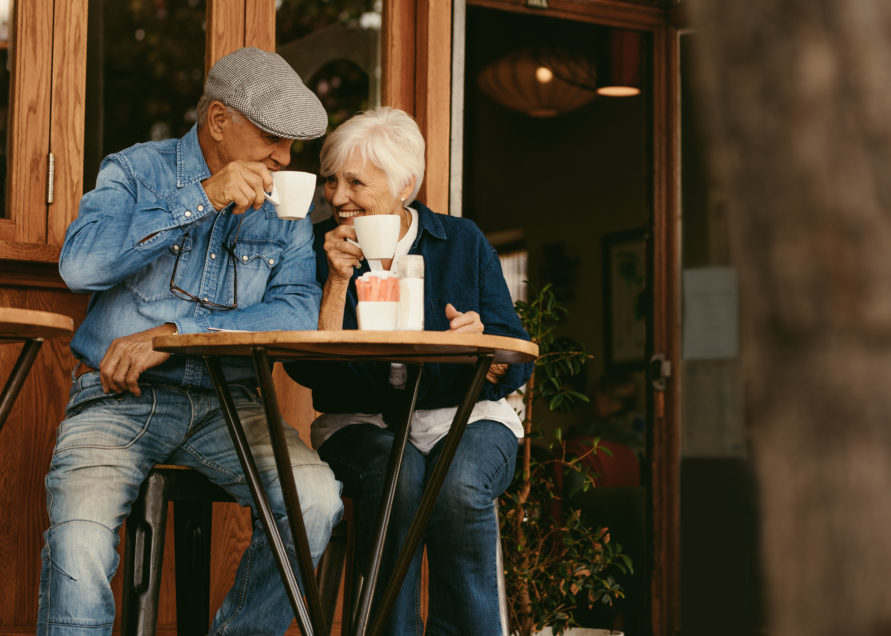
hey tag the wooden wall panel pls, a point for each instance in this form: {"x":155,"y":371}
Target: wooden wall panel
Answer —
{"x":259,"y":25}
{"x":433,"y":97}
{"x":416,"y":60}
{"x":26,"y":443}
{"x":28,"y":143}
{"x":225,"y":29}
{"x":398,"y":55}
{"x":67,"y":117}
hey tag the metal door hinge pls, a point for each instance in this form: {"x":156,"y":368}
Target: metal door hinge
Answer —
{"x":51,"y":176}
{"x":660,"y":371}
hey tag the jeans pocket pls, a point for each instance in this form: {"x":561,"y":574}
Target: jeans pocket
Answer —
{"x":105,"y":421}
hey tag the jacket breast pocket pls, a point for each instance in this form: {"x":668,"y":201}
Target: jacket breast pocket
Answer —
{"x":152,"y":283}
{"x":463,"y":299}
{"x":255,"y":262}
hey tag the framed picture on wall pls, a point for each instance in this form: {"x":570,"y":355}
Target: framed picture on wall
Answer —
{"x":625,"y":298}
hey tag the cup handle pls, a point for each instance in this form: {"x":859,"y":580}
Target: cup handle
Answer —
{"x":271,"y":197}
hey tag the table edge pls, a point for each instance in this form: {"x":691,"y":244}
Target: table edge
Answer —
{"x":481,"y":342}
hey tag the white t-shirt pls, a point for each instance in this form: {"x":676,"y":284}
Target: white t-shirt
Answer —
{"x":427,"y":426}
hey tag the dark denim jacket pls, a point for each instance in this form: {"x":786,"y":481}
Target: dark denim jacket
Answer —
{"x":461,"y":268}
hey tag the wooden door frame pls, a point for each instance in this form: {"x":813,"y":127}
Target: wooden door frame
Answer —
{"x":416,"y":71}
{"x":664,"y":512}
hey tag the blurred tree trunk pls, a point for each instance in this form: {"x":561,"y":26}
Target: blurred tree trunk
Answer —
{"x":798,"y":96}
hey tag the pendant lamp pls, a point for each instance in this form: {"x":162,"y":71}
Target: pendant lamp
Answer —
{"x":620,"y":72}
{"x":536,"y":81}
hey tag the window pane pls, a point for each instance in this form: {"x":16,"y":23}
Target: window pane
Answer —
{"x":335,"y":47}
{"x":5,"y":26}
{"x":145,"y":73}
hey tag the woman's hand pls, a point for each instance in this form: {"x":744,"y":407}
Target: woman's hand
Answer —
{"x":342,"y":255}
{"x":469,"y":321}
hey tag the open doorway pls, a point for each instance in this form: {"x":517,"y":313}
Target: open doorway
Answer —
{"x":572,"y":191}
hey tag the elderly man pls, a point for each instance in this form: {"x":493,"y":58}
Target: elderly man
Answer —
{"x":177,"y":238}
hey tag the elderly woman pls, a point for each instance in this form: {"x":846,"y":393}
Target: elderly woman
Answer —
{"x":374,"y":164}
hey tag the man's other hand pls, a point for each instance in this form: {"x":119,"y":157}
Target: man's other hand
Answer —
{"x":129,"y":356}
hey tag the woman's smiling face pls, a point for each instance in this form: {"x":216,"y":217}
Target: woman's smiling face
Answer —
{"x":359,"y":187}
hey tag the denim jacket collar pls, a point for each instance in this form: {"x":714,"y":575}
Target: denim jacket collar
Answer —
{"x":428,"y":223}
{"x":191,"y":167}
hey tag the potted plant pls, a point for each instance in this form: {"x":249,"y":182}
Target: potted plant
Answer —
{"x":554,"y":562}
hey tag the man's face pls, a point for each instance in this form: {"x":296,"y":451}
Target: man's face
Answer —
{"x":243,"y":141}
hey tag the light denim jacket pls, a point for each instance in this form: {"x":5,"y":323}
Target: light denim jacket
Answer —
{"x":148,"y":202}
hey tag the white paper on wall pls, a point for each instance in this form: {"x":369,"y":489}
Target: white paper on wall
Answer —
{"x":711,"y":313}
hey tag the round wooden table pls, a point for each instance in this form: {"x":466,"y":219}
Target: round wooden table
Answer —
{"x":414,"y":349}
{"x":32,"y":327}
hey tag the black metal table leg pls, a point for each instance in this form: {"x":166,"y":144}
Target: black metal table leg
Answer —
{"x":258,"y":493}
{"x":17,"y":377}
{"x":289,"y":489}
{"x":397,"y":452}
{"x":425,"y":508}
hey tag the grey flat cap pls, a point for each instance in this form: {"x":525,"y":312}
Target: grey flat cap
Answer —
{"x":265,"y":89}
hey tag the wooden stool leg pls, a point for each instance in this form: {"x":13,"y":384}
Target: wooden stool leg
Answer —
{"x":352,"y":576}
{"x":143,"y":553}
{"x":192,"y":523}
{"x":330,"y":569}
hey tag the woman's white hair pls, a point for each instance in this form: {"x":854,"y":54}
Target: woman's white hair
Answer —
{"x":387,"y":137}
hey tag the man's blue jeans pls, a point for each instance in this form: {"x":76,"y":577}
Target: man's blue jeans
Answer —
{"x":104,"y":449}
{"x":462,"y":534}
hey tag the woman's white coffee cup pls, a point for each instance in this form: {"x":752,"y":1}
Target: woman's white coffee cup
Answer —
{"x":292,"y":193}
{"x":377,"y":234}
{"x":376,"y":315}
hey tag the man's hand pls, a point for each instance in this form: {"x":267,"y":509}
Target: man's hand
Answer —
{"x":242,"y":182}
{"x":129,"y":356}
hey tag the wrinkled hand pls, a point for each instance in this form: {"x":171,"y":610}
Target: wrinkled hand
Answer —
{"x":242,"y":182}
{"x":128,"y":357}
{"x":342,"y":255}
{"x":496,"y":370}
{"x":470,"y":322}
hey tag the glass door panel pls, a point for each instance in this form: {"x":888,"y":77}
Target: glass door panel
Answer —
{"x":145,"y":73}
{"x":335,"y":47}
{"x":555,"y":168}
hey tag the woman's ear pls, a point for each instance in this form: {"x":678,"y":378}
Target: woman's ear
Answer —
{"x":217,"y":116}
{"x":407,"y":190}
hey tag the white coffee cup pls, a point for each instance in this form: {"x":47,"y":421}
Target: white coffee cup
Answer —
{"x":292,"y":193}
{"x":377,"y":315}
{"x":377,"y":234}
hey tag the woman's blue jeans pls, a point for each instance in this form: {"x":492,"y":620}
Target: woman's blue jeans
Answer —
{"x":105,"y":448}
{"x":461,"y":537}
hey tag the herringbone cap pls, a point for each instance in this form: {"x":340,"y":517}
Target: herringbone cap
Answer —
{"x":264,"y":88}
